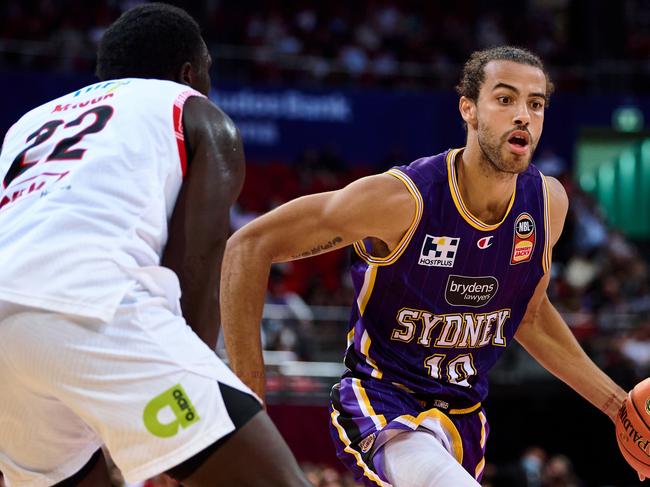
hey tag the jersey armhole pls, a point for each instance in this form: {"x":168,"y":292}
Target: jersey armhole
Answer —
{"x":546,"y":255}
{"x":360,"y":246}
{"x":179,"y":132}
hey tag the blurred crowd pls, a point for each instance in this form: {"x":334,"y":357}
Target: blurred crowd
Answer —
{"x":410,"y":43}
{"x":535,"y":468}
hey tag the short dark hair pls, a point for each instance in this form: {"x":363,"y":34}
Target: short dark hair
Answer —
{"x":474,"y":69}
{"x":152,"y":40}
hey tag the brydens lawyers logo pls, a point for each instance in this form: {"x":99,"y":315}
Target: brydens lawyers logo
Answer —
{"x":439,"y":251}
{"x":524,"y":239}
{"x":470,"y":291}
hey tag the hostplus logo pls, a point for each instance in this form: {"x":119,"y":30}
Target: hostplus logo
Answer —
{"x":439,"y":251}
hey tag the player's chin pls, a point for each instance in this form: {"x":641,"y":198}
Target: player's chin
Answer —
{"x":522,"y":166}
{"x":516,"y":163}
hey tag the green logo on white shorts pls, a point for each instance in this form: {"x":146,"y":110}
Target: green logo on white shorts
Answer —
{"x":166,"y":412}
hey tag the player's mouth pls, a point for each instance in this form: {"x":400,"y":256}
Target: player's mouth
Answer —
{"x":519,"y":141}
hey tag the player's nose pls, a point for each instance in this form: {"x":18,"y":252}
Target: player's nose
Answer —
{"x":522,"y":115}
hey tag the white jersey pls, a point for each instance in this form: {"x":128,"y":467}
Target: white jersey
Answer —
{"x":89,"y":183}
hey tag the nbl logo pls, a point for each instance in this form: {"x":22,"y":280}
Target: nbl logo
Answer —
{"x":525,"y":226}
{"x":439,"y":251}
{"x":524,"y":239}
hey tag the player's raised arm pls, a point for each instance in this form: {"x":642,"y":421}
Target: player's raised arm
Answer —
{"x":200,"y":223}
{"x":546,"y":336}
{"x":377,"y":206}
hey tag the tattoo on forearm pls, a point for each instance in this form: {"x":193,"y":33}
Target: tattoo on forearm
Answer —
{"x":319,"y":248}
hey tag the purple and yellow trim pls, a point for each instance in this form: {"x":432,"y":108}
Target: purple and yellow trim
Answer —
{"x":458,"y":199}
{"x":481,"y":464}
{"x":468,"y":410}
{"x":360,"y":247}
{"x":343,"y":437}
{"x":446,"y":423}
{"x":365,"y":406}
{"x":546,"y":256}
{"x":362,"y":301}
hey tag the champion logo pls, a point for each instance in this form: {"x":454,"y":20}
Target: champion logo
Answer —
{"x":484,"y":242}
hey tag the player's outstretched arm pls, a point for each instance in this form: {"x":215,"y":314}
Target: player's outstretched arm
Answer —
{"x":200,"y":224}
{"x":378,"y":206}
{"x":546,"y":336}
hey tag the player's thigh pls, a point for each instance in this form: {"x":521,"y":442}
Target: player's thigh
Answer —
{"x":255,"y":455}
{"x":93,"y":474}
{"x":145,"y":383}
{"x":174,"y":395}
{"x":418,"y":459}
{"x":43,"y":441}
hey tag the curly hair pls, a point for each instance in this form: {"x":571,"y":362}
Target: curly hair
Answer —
{"x":474,"y":69}
{"x":152,"y":40}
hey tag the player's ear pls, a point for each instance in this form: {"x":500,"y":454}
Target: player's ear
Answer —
{"x":467,"y":110}
{"x":186,"y":74}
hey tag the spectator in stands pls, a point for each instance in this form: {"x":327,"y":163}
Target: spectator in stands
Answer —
{"x":558,"y":472}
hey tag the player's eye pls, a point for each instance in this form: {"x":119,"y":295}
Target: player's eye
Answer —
{"x":504,"y":100}
{"x":537,"y":105}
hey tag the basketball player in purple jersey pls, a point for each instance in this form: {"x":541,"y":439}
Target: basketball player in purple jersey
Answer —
{"x":452,"y":261}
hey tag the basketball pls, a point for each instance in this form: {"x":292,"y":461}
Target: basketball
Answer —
{"x":633,"y":428}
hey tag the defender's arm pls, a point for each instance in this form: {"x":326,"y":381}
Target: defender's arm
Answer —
{"x":200,"y":224}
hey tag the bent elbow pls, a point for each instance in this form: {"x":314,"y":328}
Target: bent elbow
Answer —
{"x":244,"y":246}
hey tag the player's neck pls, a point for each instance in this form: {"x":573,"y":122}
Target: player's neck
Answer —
{"x":486,"y":191}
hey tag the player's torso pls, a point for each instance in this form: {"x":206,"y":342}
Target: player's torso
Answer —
{"x":436,"y":313}
{"x":89,"y":180}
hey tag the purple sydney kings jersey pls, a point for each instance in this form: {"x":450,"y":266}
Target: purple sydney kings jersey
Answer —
{"x":434,"y":315}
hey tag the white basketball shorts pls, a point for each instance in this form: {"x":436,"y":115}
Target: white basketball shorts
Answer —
{"x":144,"y":385}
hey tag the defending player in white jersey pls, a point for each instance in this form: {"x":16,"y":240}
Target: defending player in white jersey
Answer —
{"x":114,"y":199}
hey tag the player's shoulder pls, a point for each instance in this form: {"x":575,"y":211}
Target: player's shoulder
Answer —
{"x":557,"y":195}
{"x":381,"y":195}
{"x":558,"y":206}
{"x":202,"y":107}
{"x":428,"y":170}
{"x":201,"y":115}
{"x":555,"y":189}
